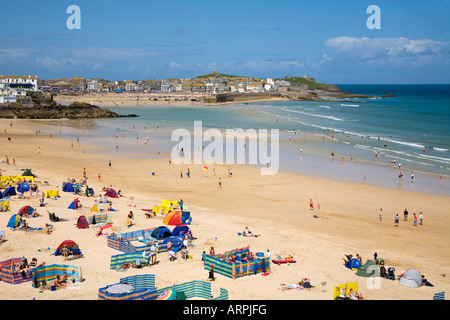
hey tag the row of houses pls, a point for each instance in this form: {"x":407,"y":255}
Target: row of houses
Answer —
{"x":17,"y":86}
{"x":213,"y":85}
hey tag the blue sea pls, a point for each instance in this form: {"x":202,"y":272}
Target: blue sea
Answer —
{"x":369,"y":138}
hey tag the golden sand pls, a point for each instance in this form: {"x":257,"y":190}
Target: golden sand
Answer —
{"x":276,"y":207}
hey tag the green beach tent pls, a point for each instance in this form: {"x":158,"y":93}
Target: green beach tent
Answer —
{"x":369,"y":269}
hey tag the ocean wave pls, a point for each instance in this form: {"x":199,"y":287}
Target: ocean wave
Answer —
{"x":410,"y":144}
{"x":326,"y":107}
{"x":419,"y":156}
{"x":350,"y":105}
{"x":361,"y":146}
{"x":440,"y":149}
{"x":434,"y":158}
{"x":315,"y":115}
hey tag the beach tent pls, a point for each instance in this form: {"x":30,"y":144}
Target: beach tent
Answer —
{"x":11,"y":191}
{"x":173,"y":218}
{"x":82,"y":223}
{"x":74,"y":204}
{"x":175,"y":242}
{"x":28,"y":173}
{"x":68,"y":187}
{"x":14,"y":221}
{"x":27,"y":211}
{"x":89,"y":192}
{"x":111,"y":193}
{"x":353,"y":264}
{"x":161,"y":233}
{"x":411,"y":278}
{"x":96,"y":208}
{"x":369,"y":269}
{"x":68,"y":243}
{"x":23,"y":187}
{"x":180,"y":230}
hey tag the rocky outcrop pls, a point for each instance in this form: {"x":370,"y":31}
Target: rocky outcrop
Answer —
{"x":44,"y":107}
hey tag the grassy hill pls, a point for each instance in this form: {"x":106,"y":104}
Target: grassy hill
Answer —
{"x":216,"y":75}
{"x":311,"y":83}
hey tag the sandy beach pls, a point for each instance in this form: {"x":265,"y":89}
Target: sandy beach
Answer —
{"x":276,"y":207}
{"x":131,"y":99}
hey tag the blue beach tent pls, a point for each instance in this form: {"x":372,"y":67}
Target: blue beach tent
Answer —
{"x":180,"y":230}
{"x":353,"y":264}
{"x":15,"y":221}
{"x":23,"y":187}
{"x":68,"y":187}
{"x":11,"y":191}
{"x":161,"y":233}
{"x":74,"y":204}
{"x":175,"y":242}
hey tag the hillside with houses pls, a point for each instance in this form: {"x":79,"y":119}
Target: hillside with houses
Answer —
{"x":16,"y":89}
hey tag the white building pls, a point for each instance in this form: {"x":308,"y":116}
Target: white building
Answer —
{"x":13,"y":86}
{"x":130,"y":86}
{"x":4,"y":99}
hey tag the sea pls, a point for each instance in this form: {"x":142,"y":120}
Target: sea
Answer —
{"x":397,"y":142}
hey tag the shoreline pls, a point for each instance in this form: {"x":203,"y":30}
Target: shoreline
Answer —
{"x":425,"y":181}
{"x":147,"y":99}
{"x":348,"y":223}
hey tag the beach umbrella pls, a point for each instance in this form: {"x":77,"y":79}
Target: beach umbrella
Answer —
{"x":167,"y":295}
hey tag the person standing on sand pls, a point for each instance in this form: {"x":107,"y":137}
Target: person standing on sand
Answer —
{"x":396,"y":220}
{"x":311,"y":204}
{"x":381,"y":215}
{"x":415,"y":220}
{"x":220,"y":183}
{"x":405,"y":215}
{"x":421,"y":217}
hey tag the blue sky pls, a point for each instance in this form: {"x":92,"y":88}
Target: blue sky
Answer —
{"x":146,"y":39}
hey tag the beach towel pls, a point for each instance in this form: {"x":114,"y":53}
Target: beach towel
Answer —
{"x":30,"y":229}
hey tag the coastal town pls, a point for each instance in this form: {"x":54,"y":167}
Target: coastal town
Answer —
{"x":13,"y":88}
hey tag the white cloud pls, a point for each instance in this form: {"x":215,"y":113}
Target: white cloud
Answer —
{"x":51,"y":63}
{"x":388,"y":48}
{"x":175,"y":65}
{"x":18,"y":53}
